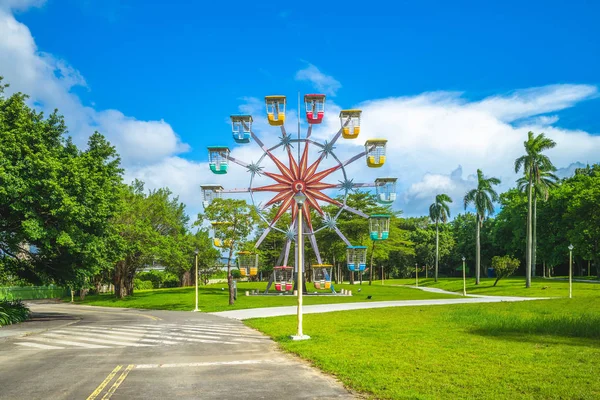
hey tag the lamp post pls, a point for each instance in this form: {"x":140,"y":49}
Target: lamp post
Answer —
{"x":464,"y":278}
{"x":570,"y":271}
{"x":300,"y":198}
{"x":417,"y":274}
{"x":196,"y":262}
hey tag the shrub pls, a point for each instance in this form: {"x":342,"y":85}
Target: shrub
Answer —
{"x":236,"y":274}
{"x":13,"y":311}
{"x":170,"y":281}
{"x":504,"y":266}
{"x":139,"y":284}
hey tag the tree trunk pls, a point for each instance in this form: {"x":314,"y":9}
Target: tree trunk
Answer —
{"x":437,"y":249}
{"x":352,"y":277}
{"x":529,"y":234}
{"x":534,"y":244}
{"x":123,"y":280}
{"x":371,"y":267}
{"x":544,"y":268}
{"x":478,"y":254}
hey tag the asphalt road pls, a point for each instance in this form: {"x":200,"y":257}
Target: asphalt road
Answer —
{"x":79,"y":352}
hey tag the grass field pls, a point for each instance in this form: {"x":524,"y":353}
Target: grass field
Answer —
{"x":211,"y":298}
{"x":546,"y":349}
{"x":514,"y":286}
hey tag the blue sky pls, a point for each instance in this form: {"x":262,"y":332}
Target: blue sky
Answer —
{"x":172,"y":72}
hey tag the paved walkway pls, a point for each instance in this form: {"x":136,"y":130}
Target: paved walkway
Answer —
{"x":322,"y":308}
{"x":82,"y":352}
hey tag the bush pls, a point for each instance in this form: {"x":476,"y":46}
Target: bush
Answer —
{"x":139,"y":284}
{"x":170,"y":281}
{"x":159,"y":279}
{"x":236,"y":274}
{"x":13,"y":311}
{"x":504,"y":266}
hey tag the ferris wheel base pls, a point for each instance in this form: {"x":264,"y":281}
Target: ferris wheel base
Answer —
{"x":302,"y":337}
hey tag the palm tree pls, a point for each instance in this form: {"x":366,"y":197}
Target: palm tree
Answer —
{"x":533,"y":163}
{"x":439,"y":211}
{"x":483,"y":198}
{"x":541,"y":190}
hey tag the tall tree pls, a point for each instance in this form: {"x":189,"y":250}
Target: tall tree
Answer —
{"x":541,"y":189}
{"x":238,"y":220}
{"x":483,"y":198}
{"x":533,"y":163}
{"x":439,"y":212}
{"x":56,"y":201}
{"x":149,"y":227}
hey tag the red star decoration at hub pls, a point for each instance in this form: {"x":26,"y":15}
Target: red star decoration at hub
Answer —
{"x":299,"y":178}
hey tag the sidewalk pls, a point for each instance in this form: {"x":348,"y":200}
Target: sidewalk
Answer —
{"x":323,"y":308}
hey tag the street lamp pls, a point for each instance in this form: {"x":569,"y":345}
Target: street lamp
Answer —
{"x":570,"y":271}
{"x":196,"y":262}
{"x":417,"y":274}
{"x":300,"y":198}
{"x":464,"y":278}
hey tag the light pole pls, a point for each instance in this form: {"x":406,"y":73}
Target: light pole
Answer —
{"x":417,"y":274}
{"x":570,"y":271}
{"x":196,"y":262}
{"x":464,"y":278}
{"x":300,"y":198}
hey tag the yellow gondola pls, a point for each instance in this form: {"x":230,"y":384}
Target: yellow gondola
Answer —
{"x":275,"y":110}
{"x":375,"y":149}
{"x":350,"y":120}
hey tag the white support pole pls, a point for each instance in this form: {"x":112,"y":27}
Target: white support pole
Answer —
{"x":571,"y":271}
{"x":299,"y":267}
{"x":464,"y":279}
{"x":196,"y":262}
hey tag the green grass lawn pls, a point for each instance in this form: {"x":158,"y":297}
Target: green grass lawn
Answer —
{"x":546,"y":349}
{"x":211,"y":298}
{"x":514,"y":286}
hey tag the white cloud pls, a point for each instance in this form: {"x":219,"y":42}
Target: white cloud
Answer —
{"x":20,"y":5}
{"x":323,"y":83}
{"x":49,"y":82}
{"x":429,"y":135}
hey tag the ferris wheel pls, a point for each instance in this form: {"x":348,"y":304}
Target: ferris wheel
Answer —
{"x":299,"y":175}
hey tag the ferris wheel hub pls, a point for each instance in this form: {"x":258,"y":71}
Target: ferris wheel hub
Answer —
{"x":298,"y":186}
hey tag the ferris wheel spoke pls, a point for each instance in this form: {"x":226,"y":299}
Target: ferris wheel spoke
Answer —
{"x":238,"y":162}
{"x":278,"y":187}
{"x":310,"y":171}
{"x":313,"y":243}
{"x":355,"y":211}
{"x":281,"y":166}
{"x":322,"y":175}
{"x":279,"y":197}
{"x":323,"y":186}
{"x":339,"y":133}
{"x":304,"y":161}
{"x":307,"y":217}
{"x":341,"y":235}
{"x":293,"y":165}
{"x":288,"y":244}
{"x":356,"y":157}
{"x":278,"y":178}
{"x":262,"y":237}
{"x":323,"y":197}
{"x":313,"y":203}
{"x":309,"y":131}
{"x":358,"y":185}
{"x":282,"y":209}
{"x":235,"y":191}
{"x":294,"y":212}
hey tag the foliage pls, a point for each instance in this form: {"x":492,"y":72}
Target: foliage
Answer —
{"x":504,"y":266}
{"x":139,"y":284}
{"x":150,"y":227}
{"x":12,"y":312}
{"x":236,"y":221}
{"x":56,"y":201}
{"x":159,"y":279}
{"x":536,"y":169}
{"x":483,"y":198}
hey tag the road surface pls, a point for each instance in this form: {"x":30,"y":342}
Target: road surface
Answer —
{"x":80,"y":352}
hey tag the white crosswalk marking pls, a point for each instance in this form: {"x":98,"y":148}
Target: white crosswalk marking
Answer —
{"x":138,"y":335}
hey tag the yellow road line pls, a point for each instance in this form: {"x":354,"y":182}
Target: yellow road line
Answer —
{"x":105,"y":382}
{"x":118,"y":382}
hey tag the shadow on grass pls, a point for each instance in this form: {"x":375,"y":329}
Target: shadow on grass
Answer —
{"x":586,"y":326}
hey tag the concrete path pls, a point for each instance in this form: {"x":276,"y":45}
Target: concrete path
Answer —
{"x":82,"y":352}
{"x":322,"y":308}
